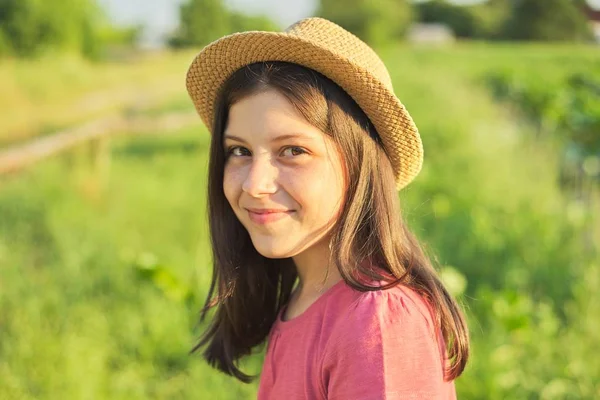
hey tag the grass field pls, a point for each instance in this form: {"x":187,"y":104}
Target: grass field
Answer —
{"x":43,"y":95}
{"x":78,"y":322}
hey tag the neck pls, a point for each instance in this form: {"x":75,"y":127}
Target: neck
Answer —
{"x":315,"y":271}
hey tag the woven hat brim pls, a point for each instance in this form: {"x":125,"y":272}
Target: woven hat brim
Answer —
{"x":218,"y":60}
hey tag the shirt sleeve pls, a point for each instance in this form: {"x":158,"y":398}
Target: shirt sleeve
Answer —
{"x":385,"y":348}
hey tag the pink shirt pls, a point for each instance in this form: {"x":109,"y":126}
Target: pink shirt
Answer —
{"x":356,"y":345}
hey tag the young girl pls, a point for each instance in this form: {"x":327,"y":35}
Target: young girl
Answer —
{"x":309,"y":147}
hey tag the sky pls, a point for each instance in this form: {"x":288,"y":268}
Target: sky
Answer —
{"x":159,"y":17}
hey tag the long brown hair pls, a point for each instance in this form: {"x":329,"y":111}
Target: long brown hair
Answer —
{"x":248,"y":290}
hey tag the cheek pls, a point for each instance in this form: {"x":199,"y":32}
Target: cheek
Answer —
{"x":232,"y":184}
{"x":318,"y":189}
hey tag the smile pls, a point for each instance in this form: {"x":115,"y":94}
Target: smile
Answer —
{"x":267,"y":216}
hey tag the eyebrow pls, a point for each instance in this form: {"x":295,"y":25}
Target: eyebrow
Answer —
{"x":276,"y":139}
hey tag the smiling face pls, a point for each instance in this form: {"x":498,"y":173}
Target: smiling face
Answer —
{"x":283,"y":178}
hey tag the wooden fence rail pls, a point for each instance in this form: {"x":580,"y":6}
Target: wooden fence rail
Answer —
{"x":20,"y":156}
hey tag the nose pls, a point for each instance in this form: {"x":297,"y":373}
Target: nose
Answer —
{"x":261,"y":177}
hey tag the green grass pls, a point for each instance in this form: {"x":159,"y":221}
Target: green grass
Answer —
{"x":44,"y":95}
{"x":78,"y":322}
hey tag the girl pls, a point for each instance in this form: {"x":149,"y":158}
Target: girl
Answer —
{"x":309,"y":147}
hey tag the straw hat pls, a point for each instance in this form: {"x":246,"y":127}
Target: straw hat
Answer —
{"x":325,"y":47}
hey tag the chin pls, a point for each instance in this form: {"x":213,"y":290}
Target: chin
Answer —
{"x":272,"y":250}
{"x":271,"y":253}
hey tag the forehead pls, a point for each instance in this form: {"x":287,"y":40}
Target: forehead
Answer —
{"x":267,"y":114}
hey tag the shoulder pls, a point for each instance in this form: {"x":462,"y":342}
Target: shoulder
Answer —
{"x":400,"y":308}
{"x":385,"y":346}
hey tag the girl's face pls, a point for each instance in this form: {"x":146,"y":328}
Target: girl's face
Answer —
{"x":284,"y":178}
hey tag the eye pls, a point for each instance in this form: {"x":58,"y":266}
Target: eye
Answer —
{"x":293,"y":151}
{"x":238,"y":151}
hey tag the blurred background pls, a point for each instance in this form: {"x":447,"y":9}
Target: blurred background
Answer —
{"x":104,"y":249}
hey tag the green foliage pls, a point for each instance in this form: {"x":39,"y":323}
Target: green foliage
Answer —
{"x":563,"y":106}
{"x":5,"y":47}
{"x":460,"y":19}
{"x":582,"y":114}
{"x":564,"y":109}
{"x":149,"y":270}
{"x":530,"y":352}
{"x":375,"y":22}
{"x":202,"y":21}
{"x":109,"y":36}
{"x":30,"y":28}
{"x":491,"y":17}
{"x":550,"y":20}
{"x":510,"y":19}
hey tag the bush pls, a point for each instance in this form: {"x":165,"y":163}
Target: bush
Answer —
{"x":550,"y":20}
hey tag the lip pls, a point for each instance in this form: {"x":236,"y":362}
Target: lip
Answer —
{"x":264,"y":216}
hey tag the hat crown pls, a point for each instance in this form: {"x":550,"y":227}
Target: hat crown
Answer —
{"x":342,"y":43}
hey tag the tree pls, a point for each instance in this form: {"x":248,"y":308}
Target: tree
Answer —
{"x":491,"y":17}
{"x":375,"y":22}
{"x":460,"y":19}
{"x":31,"y":27}
{"x":202,"y":21}
{"x":553,"y":20}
